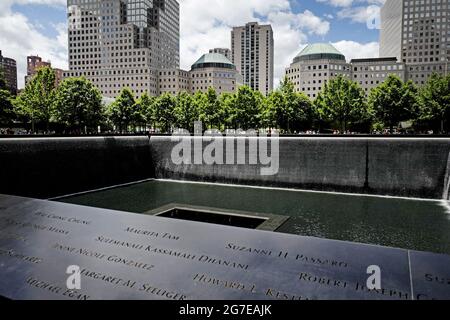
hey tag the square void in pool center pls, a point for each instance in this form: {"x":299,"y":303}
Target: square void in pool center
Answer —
{"x":234,"y":218}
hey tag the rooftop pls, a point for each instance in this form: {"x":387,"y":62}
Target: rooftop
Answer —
{"x":213,"y":60}
{"x":318,"y":51}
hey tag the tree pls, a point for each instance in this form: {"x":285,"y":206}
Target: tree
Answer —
{"x":36,"y":101}
{"x":343,"y":102}
{"x":394,"y":101}
{"x":434,"y":99}
{"x":273,"y":113}
{"x":287,"y":109}
{"x":165,"y":115}
{"x":227,"y":105}
{"x":248,"y":108}
{"x":212,"y":113}
{"x":200,"y":105}
{"x":146,"y":105}
{"x":185,"y":112}
{"x":78,"y":104}
{"x":6,"y":107}
{"x":122,"y":111}
{"x":303,"y":114}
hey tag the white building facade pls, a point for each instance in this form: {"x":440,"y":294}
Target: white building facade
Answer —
{"x":212,"y":70}
{"x":318,"y":63}
{"x":119,"y":44}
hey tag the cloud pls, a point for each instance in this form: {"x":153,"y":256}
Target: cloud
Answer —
{"x":337,"y":3}
{"x":206,"y":26}
{"x":5,"y":5}
{"x":19,"y":37}
{"x":202,"y":27}
{"x":349,"y":3}
{"x":360,"y":14}
{"x":356,"y":50}
{"x":358,"y":11}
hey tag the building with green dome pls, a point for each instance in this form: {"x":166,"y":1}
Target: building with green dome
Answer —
{"x":318,"y":63}
{"x":210,"y":70}
{"x":314,"y":66}
{"x":319,"y":51}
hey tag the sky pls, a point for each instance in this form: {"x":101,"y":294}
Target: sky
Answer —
{"x":39,"y":27}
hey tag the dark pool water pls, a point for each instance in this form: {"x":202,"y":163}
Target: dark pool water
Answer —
{"x":403,"y":223}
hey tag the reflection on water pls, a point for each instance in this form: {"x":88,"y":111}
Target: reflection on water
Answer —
{"x":402,"y":223}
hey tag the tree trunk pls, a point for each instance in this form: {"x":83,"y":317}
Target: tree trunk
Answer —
{"x":442,"y":126}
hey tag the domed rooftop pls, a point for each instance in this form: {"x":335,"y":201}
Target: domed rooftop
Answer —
{"x":213,"y":60}
{"x":319,"y":51}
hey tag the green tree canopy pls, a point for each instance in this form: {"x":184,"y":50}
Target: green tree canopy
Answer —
{"x":434,"y":100}
{"x":146,"y":106}
{"x":286,"y":109}
{"x":212,"y":111}
{"x":227,"y":104}
{"x":248,"y":107}
{"x":165,"y":112}
{"x":394,"y":101}
{"x":36,"y":100}
{"x":122,"y":111}
{"x":342,"y":102}
{"x":78,"y":104}
{"x":185,"y":112}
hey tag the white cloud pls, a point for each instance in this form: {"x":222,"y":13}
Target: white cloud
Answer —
{"x":203,"y":26}
{"x":5,"y":5}
{"x":360,"y":14}
{"x":355,"y":50}
{"x":349,"y":3}
{"x":19,"y":37}
{"x":206,"y":26}
{"x":337,"y":3}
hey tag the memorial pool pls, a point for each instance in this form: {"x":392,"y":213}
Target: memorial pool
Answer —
{"x":413,"y":224}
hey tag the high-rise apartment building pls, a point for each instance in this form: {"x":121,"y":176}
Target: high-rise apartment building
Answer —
{"x":123,"y":43}
{"x":8,"y":67}
{"x":34,"y":63}
{"x":417,"y":31}
{"x":252,"y":48}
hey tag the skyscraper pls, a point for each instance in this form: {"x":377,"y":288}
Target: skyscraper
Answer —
{"x":252,"y":48}
{"x":391,"y":30}
{"x":123,"y":43}
{"x":417,"y":31}
{"x":8,"y":67}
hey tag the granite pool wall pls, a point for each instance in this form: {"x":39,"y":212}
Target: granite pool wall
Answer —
{"x":50,"y":167}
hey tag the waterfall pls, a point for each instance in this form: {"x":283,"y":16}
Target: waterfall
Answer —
{"x":445,"y":194}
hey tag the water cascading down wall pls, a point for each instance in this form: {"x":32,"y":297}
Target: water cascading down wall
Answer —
{"x":49,"y":167}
